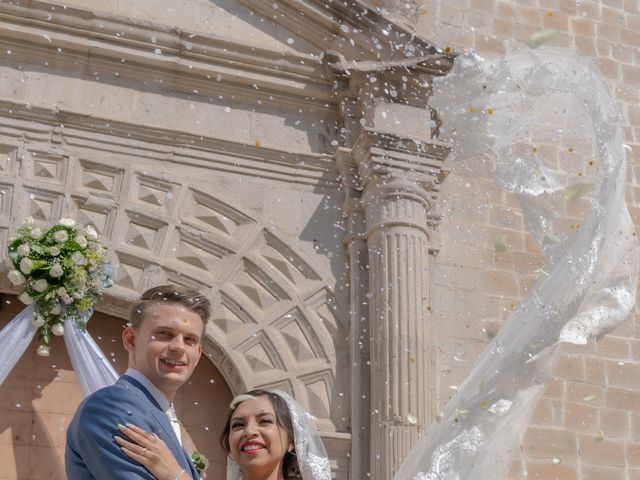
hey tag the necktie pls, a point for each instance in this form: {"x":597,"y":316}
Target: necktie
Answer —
{"x":173,"y":419}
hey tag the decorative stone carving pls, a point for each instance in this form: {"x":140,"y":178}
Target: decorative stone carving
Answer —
{"x":318,"y":392}
{"x":6,"y":195}
{"x":286,"y":261}
{"x":275,"y":323}
{"x":100,"y":177}
{"x":42,"y":205}
{"x":149,"y":191}
{"x":210,"y":213}
{"x":94,"y":210}
{"x":8,"y":155}
{"x":300,"y":340}
{"x":144,"y":232}
{"x":130,"y":271}
{"x":261,"y":355}
{"x":229,"y":316}
{"x":46,"y":167}
{"x":180,"y":61}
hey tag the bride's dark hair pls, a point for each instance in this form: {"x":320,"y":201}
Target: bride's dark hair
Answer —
{"x":290,"y":468}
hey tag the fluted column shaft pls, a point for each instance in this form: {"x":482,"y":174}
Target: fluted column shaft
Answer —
{"x":398,"y":246}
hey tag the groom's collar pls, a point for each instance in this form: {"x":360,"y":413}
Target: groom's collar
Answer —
{"x":157,"y":395}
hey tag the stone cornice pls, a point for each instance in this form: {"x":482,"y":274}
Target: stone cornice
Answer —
{"x":353,"y":32}
{"x":118,"y":49}
{"x":36,"y":125}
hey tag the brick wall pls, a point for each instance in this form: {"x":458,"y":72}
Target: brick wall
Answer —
{"x":587,"y":426}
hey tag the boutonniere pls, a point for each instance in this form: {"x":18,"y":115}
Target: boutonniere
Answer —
{"x":200,"y":462}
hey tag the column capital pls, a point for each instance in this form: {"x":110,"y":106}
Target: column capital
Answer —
{"x":380,"y":154}
{"x":389,"y":163}
{"x":392,"y":202}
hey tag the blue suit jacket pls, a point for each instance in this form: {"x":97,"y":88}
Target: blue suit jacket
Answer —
{"x":92,"y":453}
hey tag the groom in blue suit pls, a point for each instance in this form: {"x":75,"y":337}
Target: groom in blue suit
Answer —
{"x":164,"y":345}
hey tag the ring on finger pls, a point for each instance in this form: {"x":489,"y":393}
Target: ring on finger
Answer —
{"x":144,"y":450}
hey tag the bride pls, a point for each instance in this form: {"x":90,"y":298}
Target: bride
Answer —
{"x":267,"y":436}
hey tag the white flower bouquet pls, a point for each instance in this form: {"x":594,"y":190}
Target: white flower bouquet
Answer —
{"x":63,"y":270}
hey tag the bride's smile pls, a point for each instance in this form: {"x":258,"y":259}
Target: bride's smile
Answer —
{"x":257,"y":439}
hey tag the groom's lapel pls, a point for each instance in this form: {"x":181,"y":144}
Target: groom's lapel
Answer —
{"x":161,"y":417}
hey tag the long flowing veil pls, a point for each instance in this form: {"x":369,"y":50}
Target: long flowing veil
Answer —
{"x":507,"y":110}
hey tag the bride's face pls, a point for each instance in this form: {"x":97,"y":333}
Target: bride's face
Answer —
{"x":257,"y":442}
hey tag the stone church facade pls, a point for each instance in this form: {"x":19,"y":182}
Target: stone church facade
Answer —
{"x":281,"y":157}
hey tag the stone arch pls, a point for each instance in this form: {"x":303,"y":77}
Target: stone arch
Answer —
{"x":276,"y":323}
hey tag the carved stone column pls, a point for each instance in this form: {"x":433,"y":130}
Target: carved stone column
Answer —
{"x":397,"y":198}
{"x":398,"y":247}
{"x":391,"y":168}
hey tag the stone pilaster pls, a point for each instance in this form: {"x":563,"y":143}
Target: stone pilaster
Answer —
{"x":357,"y":254}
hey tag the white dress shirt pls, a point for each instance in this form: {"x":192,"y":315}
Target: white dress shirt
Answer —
{"x":159,"y":397}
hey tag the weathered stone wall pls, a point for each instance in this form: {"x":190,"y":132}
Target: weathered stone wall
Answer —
{"x":587,"y":424}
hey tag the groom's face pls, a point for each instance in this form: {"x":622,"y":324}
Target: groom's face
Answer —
{"x":165,"y":347}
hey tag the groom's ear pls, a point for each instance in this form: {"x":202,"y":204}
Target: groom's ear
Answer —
{"x":199,"y":353}
{"x":129,"y":339}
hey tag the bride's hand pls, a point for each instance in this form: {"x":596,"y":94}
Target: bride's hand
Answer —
{"x":151,"y":452}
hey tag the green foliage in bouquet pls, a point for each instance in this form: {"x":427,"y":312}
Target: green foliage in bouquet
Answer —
{"x":200,"y":462}
{"x":63,"y":271}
